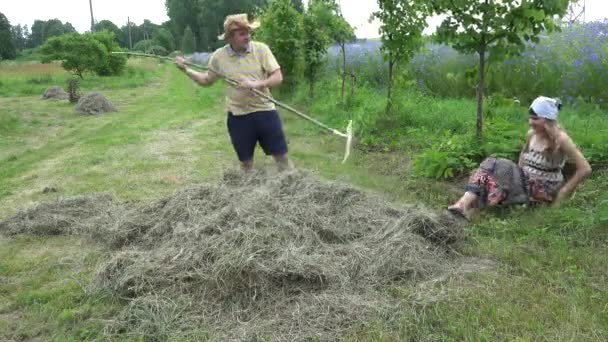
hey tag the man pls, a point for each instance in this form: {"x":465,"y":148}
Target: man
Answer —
{"x":251,"y":118}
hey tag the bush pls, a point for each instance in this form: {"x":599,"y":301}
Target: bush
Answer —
{"x":143,"y":45}
{"x":157,"y":50}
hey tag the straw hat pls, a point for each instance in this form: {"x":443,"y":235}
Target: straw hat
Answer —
{"x":237,"y":22}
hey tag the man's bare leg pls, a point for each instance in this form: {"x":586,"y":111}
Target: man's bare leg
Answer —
{"x":247,"y":166}
{"x":282,"y":162}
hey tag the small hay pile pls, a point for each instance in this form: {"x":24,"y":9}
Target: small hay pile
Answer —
{"x":94,"y":103}
{"x":55,"y":93}
{"x":255,"y":257}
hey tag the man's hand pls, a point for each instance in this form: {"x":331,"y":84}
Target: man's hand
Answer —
{"x":251,"y":84}
{"x":179,"y":61}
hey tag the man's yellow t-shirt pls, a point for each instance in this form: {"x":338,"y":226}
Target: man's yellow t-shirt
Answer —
{"x":254,"y":64}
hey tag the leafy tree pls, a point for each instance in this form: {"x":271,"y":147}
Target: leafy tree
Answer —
{"x":53,"y":28}
{"x":341,"y":33}
{"x":143,"y":45}
{"x":111,"y":64}
{"x":185,"y":13}
{"x":188,"y":44}
{"x":20,"y":36}
{"x":68,"y":28}
{"x":107,"y":25}
{"x":298,"y":6}
{"x":136,"y":34}
{"x":318,"y":24}
{"x":282,"y":30}
{"x":42,"y":30}
{"x":494,"y":29}
{"x":402,"y":23}
{"x":206,"y":17}
{"x":77,"y":53}
{"x":36,"y":36}
{"x":165,"y":39}
{"x":7,"y":45}
{"x":89,"y":52}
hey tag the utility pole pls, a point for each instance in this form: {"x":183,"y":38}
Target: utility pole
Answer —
{"x":129,"y":26}
{"x":92,"y":20}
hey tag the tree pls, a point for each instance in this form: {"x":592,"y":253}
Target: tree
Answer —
{"x":89,"y":52}
{"x":42,"y":30}
{"x":206,"y":17}
{"x":165,"y":39}
{"x":188,"y":44}
{"x":341,"y":33}
{"x":322,"y":24}
{"x":53,"y":28}
{"x":402,"y":23}
{"x":7,"y":45}
{"x":282,"y":30}
{"x":136,"y":34}
{"x":111,"y":64}
{"x":20,"y":36}
{"x":107,"y":25}
{"x":36,"y":36}
{"x":185,"y":14}
{"x":298,"y":6}
{"x":68,"y":28}
{"x":77,"y":53}
{"x":494,"y":29}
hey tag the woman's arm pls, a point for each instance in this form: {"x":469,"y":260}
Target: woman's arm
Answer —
{"x":583,"y":169}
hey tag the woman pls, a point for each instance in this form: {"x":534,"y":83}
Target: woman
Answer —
{"x":537,"y":178}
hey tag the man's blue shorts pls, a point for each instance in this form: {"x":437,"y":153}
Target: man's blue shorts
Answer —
{"x":264,"y":127}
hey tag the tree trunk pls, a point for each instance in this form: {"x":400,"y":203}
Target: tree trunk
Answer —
{"x":480,"y":88}
{"x":391,"y":64}
{"x":343,"y":51}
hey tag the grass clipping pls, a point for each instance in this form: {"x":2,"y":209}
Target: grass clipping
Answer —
{"x":54,"y":93}
{"x":94,"y":103}
{"x":255,"y":257}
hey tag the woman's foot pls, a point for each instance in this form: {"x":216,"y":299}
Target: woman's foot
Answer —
{"x":458,"y":211}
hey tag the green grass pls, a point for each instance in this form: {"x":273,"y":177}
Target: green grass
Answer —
{"x":549,"y":282}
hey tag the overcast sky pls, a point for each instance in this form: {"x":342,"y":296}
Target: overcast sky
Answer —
{"x":77,"y":12}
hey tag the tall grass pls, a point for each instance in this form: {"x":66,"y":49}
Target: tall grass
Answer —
{"x":33,"y":78}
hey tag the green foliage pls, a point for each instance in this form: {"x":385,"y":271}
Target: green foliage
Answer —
{"x":43,"y":30}
{"x":452,"y":156}
{"x":78,"y":53}
{"x":494,"y":30}
{"x":20,"y":36}
{"x":157,"y":50}
{"x":143,"y":45}
{"x":402,"y":23}
{"x":87,"y":52}
{"x":282,"y":30}
{"x":7,"y":45}
{"x":188,"y":43}
{"x":107,"y":25}
{"x":316,"y":23}
{"x":206,"y":17}
{"x":165,"y":39}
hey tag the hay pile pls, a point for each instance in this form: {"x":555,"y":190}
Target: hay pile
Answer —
{"x":255,"y":257}
{"x":55,"y":93}
{"x":94,"y":103}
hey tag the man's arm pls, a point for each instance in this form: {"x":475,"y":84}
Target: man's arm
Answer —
{"x":202,"y":78}
{"x":274,"y":79}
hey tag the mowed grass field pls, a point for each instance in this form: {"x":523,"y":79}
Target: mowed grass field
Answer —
{"x":549,"y":282}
